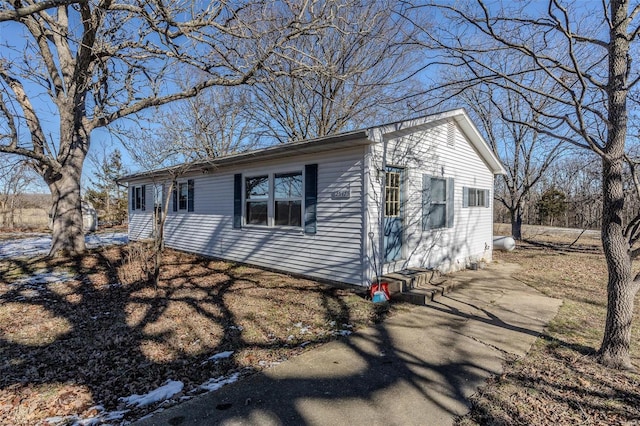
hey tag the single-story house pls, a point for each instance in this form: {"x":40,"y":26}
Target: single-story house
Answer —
{"x":346,"y":208}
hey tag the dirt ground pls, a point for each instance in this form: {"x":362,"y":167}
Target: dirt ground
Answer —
{"x":104,"y":333}
{"x":96,"y":331}
{"x":560,"y":381}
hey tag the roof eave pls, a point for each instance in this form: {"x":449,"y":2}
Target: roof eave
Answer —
{"x":322,"y":144}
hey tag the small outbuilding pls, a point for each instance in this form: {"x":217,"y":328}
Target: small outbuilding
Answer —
{"x":347,"y":208}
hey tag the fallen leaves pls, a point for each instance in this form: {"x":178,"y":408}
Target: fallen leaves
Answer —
{"x":73,"y":348}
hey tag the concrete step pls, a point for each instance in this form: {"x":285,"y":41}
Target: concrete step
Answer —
{"x":417,"y":285}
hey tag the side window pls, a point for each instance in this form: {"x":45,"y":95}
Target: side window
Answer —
{"x":183,"y":196}
{"x":138,"y":197}
{"x":257,"y":200}
{"x":287,"y":188}
{"x":183,"y":193}
{"x":438,"y":207}
{"x":474,"y":197}
{"x":437,"y":202}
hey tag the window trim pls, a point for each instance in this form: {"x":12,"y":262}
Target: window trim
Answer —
{"x":289,"y":199}
{"x":189,"y":200}
{"x":246,"y":200}
{"x":444,"y":202}
{"x":449,"y":202}
{"x":138,"y":198}
{"x":271,"y":200}
{"x":183,"y":198}
{"x":480,"y":194}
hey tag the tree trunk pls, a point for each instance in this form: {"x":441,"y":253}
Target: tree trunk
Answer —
{"x":516,"y":224}
{"x":67,"y":236}
{"x":621,"y":288}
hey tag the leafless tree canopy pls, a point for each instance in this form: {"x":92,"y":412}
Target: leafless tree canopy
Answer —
{"x":342,"y":77}
{"x":71,"y":67}
{"x":585,"y":52}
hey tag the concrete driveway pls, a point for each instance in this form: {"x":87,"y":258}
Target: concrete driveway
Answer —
{"x":418,"y":367}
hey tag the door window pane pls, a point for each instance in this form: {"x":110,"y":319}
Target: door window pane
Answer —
{"x":392,"y":194}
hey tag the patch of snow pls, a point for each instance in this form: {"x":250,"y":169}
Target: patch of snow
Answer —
{"x":166,"y":391}
{"x":345,"y":332}
{"x":221,"y":355}
{"x":38,"y":246}
{"x":298,"y":324}
{"x":290,"y":338}
{"x":101,"y":418}
{"x":218,"y":382}
{"x":107,"y":239}
{"x":303,"y":344}
{"x":43,"y":277}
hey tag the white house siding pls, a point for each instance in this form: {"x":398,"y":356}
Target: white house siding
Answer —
{"x":141,"y":222}
{"x":334,"y":252}
{"x":439,"y":149}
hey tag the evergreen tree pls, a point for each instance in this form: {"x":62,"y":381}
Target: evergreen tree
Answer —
{"x":107,"y":197}
{"x":552,"y":204}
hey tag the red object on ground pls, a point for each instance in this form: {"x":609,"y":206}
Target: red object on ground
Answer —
{"x":383,"y":287}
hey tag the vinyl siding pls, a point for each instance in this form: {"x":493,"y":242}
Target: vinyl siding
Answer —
{"x":141,"y":222}
{"x":440,"y":150}
{"x":334,"y":252}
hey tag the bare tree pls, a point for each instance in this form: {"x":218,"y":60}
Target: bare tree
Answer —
{"x":340,"y":78}
{"x":525,"y":152}
{"x":586,"y":50}
{"x":214,"y":123}
{"x":93,"y":62}
{"x":15,"y":177}
{"x":151,"y":151}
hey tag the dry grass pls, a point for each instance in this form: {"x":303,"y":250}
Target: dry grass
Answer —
{"x":560,"y":381}
{"x":68,"y":346}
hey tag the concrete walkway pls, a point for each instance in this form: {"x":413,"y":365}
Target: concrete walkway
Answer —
{"x":418,"y":367}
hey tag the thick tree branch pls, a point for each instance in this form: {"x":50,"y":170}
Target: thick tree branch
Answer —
{"x":24,"y":11}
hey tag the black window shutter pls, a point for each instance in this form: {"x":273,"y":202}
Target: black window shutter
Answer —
{"x":426,"y":201}
{"x":465,"y":197}
{"x":450,"y":202}
{"x":190,"y":185}
{"x":237,"y":200}
{"x":487,"y":200}
{"x":310,"y":198}
{"x":142,"y":207}
{"x":133,"y":198}
{"x":175,"y":196}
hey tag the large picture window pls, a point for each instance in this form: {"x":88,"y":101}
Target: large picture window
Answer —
{"x":287,"y":199}
{"x":257,"y":200}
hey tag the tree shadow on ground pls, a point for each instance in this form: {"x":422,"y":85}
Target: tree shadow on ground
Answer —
{"x":105,"y":334}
